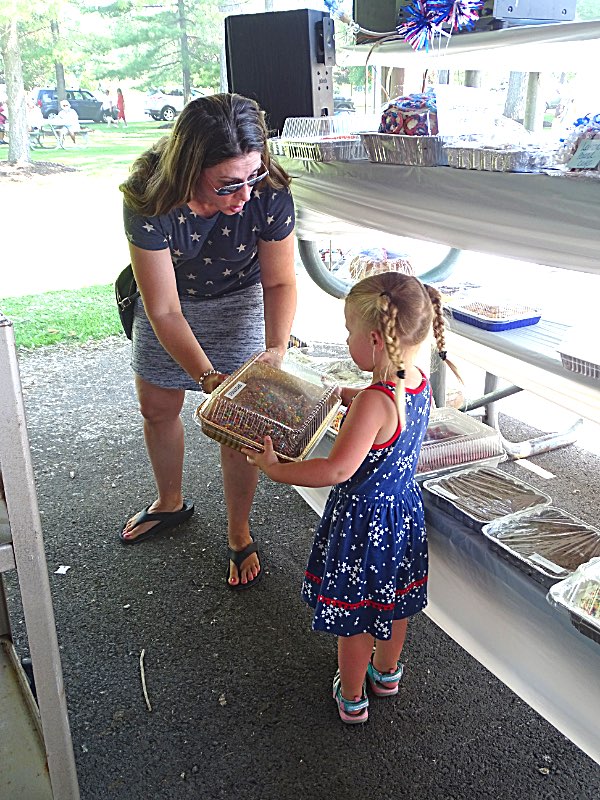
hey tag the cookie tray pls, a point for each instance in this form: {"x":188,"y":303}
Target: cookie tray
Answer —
{"x":535,"y":564}
{"x":492,"y":317}
{"x":447,"y":502}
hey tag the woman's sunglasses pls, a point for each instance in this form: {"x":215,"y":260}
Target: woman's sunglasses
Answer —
{"x":232,"y":188}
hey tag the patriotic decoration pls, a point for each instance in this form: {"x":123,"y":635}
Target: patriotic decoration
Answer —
{"x":429,"y":20}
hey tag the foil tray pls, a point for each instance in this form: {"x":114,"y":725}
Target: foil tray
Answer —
{"x":410,"y":151}
{"x":497,"y":160}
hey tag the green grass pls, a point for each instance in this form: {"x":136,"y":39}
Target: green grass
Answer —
{"x":110,"y":148}
{"x":68,"y":316}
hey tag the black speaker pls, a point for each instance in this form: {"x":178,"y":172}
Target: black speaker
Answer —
{"x":283,"y":60}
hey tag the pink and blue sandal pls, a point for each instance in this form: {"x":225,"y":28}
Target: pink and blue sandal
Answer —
{"x":380,"y":682}
{"x":352,"y":712}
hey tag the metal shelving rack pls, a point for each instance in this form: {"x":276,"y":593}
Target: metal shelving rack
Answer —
{"x":36,"y":751}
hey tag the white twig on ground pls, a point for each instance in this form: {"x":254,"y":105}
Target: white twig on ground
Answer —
{"x":142,"y":654}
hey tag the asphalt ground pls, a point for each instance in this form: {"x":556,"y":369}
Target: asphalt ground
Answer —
{"x":238,"y":683}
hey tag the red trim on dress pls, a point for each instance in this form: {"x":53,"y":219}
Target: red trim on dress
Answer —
{"x":328,"y":601}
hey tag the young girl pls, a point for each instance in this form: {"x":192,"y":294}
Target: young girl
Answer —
{"x":367,"y":571}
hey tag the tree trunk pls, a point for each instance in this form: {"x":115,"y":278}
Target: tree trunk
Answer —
{"x":59,"y":69}
{"x":18,"y":143}
{"x":514,"y":106}
{"x":185,"y":52}
{"x":473,"y":78}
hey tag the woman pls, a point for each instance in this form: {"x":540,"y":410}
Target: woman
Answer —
{"x":121,"y":107}
{"x":210,"y":221}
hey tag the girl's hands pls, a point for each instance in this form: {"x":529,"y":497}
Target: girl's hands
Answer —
{"x":262,"y":460}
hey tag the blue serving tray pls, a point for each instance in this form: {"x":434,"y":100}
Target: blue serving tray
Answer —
{"x":494,"y":325}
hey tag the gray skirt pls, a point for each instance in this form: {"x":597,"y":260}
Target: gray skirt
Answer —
{"x":230,"y":330}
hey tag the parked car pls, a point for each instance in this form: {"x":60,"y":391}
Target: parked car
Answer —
{"x":85,"y":104}
{"x":341,"y":104}
{"x":165,"y":105}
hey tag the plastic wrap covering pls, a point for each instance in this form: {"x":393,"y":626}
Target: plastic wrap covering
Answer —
{"x":478,"y":496}
{"x":293,"y":405}
{"x":454,"y":439}
{"x":580,"y":595}
{"x":493,"y":316}
{"x":547,"y":544}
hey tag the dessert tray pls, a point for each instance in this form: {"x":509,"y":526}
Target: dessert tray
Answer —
{"x":292,"y":405}
{"x":454,"y":440}
{"x":493,"y":316}
{"x":480,"y":495}
{"x":547,"y":543}
{"x":580,"y":595}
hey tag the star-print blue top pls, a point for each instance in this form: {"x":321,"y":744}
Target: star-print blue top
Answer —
{"x":219,"y":255}
{"x":368,"y":563}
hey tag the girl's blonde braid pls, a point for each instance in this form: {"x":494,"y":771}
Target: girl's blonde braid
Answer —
{"x":389,"y":328}
{"x":439,"y":328}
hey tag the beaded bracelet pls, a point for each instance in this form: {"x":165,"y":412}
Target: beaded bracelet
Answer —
{"x":206,"y":375}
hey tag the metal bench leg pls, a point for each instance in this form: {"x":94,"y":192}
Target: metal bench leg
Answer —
{"x":528,"y":447}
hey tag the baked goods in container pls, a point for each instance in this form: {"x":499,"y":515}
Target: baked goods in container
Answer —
{"x":411,"y":115}
{"x":580,"y":595}
{"x":260,"y":400}
{"x":547,"y":540}
{"x":453,"y":439}
{"x":483,"y":494}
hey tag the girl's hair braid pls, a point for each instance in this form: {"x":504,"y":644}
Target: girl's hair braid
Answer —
{"x":404,"y":311}
{"x":439,"y":327}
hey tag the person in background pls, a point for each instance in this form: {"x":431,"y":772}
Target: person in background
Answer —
{"x":107,"y":107}
{"x":67,"y":121}
{"x":35,"y":118}
{"x":367,"y":571}
{"x":3,"y":121}
{"x":210,"y":219}
{"x":121,"y":107}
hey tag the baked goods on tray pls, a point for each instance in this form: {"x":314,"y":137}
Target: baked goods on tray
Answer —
{"x":580,"y":595}
{"x":548,"y":540}
{"x":483,"y":494}
{"x":260,"y":400}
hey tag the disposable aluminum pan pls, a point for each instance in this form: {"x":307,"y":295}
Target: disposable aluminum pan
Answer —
{"x":411,"y":151}
{"x":496,"y":160}
{"x":476,"y":497}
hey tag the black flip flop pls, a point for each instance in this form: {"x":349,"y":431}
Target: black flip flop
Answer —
{"x":166,"y":519}
{"x":238,"y":557}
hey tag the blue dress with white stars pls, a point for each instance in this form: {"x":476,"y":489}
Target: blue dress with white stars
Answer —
{"x":368,"y":563}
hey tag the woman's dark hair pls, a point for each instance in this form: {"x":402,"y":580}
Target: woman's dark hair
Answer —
{"x":208,"y":131}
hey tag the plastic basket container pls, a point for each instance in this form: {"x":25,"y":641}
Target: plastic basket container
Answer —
{"x":494,"y":316}
{"x":580,"y":595}
{"x":292,"y":405}
{"x":341,"y":148}
{"x":580,"y":353}
{"x":456,"y":439}
{"x":478,"y":496}
{"x":317,"y":127}
{"x":412,"y":151}
{"x":548,"y":544}
{"x":276,"y":146}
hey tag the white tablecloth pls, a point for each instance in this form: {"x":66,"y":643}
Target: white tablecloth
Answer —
{"x":538,"y":218}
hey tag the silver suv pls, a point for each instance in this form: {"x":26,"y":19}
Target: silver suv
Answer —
{"x":165,"y":105}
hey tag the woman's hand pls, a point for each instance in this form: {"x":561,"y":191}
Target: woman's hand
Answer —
{"x":272,"y":356}
{"x":262,"y":460}
{"x":210,"y":383}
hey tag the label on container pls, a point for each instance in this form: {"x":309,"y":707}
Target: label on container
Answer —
{"x":235,"y":390}
{"x":587,"y":155}
{"x":536,"y":558}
